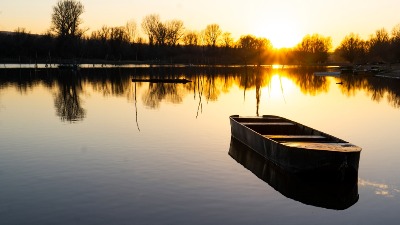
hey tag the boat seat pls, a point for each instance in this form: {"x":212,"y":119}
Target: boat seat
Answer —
{"x":297,"y":138}
{"x":267,"y":123}
{"x":336,"y":147}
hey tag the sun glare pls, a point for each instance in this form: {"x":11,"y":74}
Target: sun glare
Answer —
{"x":279,"y":86}
{"x":282,"y":34}
{"x":277,"y":66}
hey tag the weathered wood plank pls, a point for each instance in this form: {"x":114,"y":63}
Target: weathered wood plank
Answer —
{"x":337,"y":147}
{"x":267,"y":123}
{"x":298,"y":138}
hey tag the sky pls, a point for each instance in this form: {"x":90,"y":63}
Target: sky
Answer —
{"x":283,"y":22}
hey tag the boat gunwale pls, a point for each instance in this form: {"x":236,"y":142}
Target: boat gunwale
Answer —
{"x":286,"y":143}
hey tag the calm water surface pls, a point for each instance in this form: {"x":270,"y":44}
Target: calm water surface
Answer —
{"x":95,"y":148}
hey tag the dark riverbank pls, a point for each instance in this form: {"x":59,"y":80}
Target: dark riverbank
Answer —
{"x":388,"y":71}
{"x":392,"y":72}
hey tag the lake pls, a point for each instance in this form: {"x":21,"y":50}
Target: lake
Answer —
{"x":93,"y":147}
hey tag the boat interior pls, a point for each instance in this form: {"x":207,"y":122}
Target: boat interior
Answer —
{"x":283,"y":130}
{"x":293,"y":134}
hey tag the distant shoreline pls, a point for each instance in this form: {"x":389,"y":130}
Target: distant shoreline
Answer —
{"x":393,"y":72}
{"x":146,"y":62}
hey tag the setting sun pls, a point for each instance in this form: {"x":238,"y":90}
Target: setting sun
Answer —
{"x":281,"y":33}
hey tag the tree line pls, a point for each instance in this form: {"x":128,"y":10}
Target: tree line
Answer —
{"x":169,"y":42}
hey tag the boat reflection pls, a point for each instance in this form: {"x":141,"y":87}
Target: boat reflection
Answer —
{"x":330,"y":194}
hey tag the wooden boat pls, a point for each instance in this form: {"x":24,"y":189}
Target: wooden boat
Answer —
{"x":327,"y":193}
{"x":295,"y":147}
{"x":156,"y":80}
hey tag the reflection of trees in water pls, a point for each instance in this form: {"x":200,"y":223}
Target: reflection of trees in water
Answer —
{"x":307,"y":82}
{"x":352,"y":84}
{"x":158,"y":92}
{"x":377,"y":88}
{"x":198,"y":86}
{"x":255,"y":77}
{"x":136,"y":109}
{"x":381,"y":86}
{"x":394,"y":99}
{"x":67,"y":100}
{"x":208,"y":83}
{"x":109,"y":82}
{"x":24,"y":80}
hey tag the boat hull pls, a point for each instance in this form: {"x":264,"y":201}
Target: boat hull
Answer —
{"x":328,"y":193}
{"x":296,"y":156}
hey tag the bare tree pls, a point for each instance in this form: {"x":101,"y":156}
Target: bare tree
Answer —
{"x":161,"y":34}
{"x":379,"y":45}
{"x":227,"y":40}
{"x":168,"y":33}
{"x":396,"y":32}
{"x":191,"y":38}
{"x":174,"y":30}
{"x":150,"y":25}
{"x":212,"y":34}
{"x":119,"y":39}
{"x":381,"y":36}
{"x":395,"y":42}
{"x":119,"y":34}
{"x":131,"y":30}
{"x":351,"y":48}
{"x":105,"y":33}
{"x":314,"y":48}
{"x":201,"y":37}
{"x":66,"y":18}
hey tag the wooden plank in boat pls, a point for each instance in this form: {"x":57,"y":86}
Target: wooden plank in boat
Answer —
{"x":297,"y":138}
{"x":267,"y":123}
{"x":294,"y":136}
{"x":336,"y":147}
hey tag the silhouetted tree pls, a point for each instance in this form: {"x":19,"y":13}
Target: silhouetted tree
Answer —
{"x":253,"y":48}
{"x":100,"y":42}
{"x":131,"y":30}
{"x":66,"y":18}
{"x":227,"y":40}
{"x":151,"y":25}
{"x":351,"y":48}
{"x":379,"y":45}
{"x":168,"y":33}
{"x":190,"y":38}
{"x":119,"y":40}
{"x":212,"y":34}
{"x":65,"y":22}
{"x":395,"y":42}
{"x":174,"y":30}
{"x":314,"y":49}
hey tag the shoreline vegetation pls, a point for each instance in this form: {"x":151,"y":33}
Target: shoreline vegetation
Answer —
{"x":169,"y":43}
{"x":155,"y":62}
